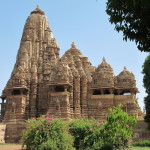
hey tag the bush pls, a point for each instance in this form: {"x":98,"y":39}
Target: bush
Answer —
{"x":46,"y":133}
{"x":107,"y":147}
{"x":142,"y":143}
{"x":117,"y":129}
{"x":86,"y":133}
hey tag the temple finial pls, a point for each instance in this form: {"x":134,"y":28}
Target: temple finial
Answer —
{"x":73,"y":45}
{"x":104,"y":59}
{"x":125,"y":68}
{"x":37,"y":11}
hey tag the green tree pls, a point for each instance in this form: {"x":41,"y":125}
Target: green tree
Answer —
{"x":146,"y":81}
{"x":86,"y":133}
{"x":132,"y":17}
{"x":117,"y":129}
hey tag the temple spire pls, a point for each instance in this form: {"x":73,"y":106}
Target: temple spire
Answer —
{"x":125,"y":68}
{"x":73,"y":45}
{"x":37,"y":11}
{"x":104,"y":59}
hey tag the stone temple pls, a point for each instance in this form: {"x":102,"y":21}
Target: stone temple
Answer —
{"x":68,"y":87}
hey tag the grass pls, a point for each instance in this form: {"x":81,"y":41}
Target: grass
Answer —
{"x":140,"y":148}
{"x":2,"y":143}
{"x":10,"y":144}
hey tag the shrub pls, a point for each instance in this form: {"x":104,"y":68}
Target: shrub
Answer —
{"x":86,"y":134}
{"x":46,"y":133}
{"x":107,"y":147}
{"x":142,"y":143}
{"x":117,"y":129}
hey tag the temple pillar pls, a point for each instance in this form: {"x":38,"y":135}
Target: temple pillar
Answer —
{"x":33,"y":97}
{"x":71,"y":103}
{"x":102,"y":91}
{"x":76,"y":98}
{"x":111,"y":91}
{"x":84,"y":96}
{"x":119,"y":92}
{"x":3,"y":104}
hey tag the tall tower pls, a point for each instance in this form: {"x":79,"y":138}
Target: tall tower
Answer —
{"x":37,"y":49}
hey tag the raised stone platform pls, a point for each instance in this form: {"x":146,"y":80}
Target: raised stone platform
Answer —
{"x":2,"y":133}
{"x":140,"y":131}
{"x":14,"y":133}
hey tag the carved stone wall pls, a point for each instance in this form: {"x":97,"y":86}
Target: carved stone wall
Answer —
{"x":140,"y":131}
{"x":59,"y":106}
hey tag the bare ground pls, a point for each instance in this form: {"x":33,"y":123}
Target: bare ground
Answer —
{"x":11,"y":147}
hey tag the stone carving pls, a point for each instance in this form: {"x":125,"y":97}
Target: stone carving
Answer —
{"x":14,"y":107}
{"x":57,"y":105}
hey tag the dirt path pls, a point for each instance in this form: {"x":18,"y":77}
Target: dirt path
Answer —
{"x":11,"y":147}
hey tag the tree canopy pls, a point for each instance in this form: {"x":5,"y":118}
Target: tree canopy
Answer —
{"x":132,"y":17}
{"x":146,"y":81}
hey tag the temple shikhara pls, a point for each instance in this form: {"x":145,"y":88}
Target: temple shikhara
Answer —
{"x":43,"y":83}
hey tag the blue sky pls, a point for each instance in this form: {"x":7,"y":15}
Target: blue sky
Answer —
{"x":83,"y":21}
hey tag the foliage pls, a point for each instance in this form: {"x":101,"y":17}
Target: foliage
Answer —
{"x":140,"y":148}
{"x":86,"y":133}
{"x":142,"y":143}
{"x":146,"y":81}
{"x":46,"y":133}
{"x":132,"y":18}
{"x":107,"y":147}
{"x":117,"y":130}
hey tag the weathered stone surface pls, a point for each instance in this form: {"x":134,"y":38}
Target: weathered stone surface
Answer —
{"x":2,"y":133}
{"x":140,"y":132}
{"x":67,"y":87}
{"x":13,"y":132}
